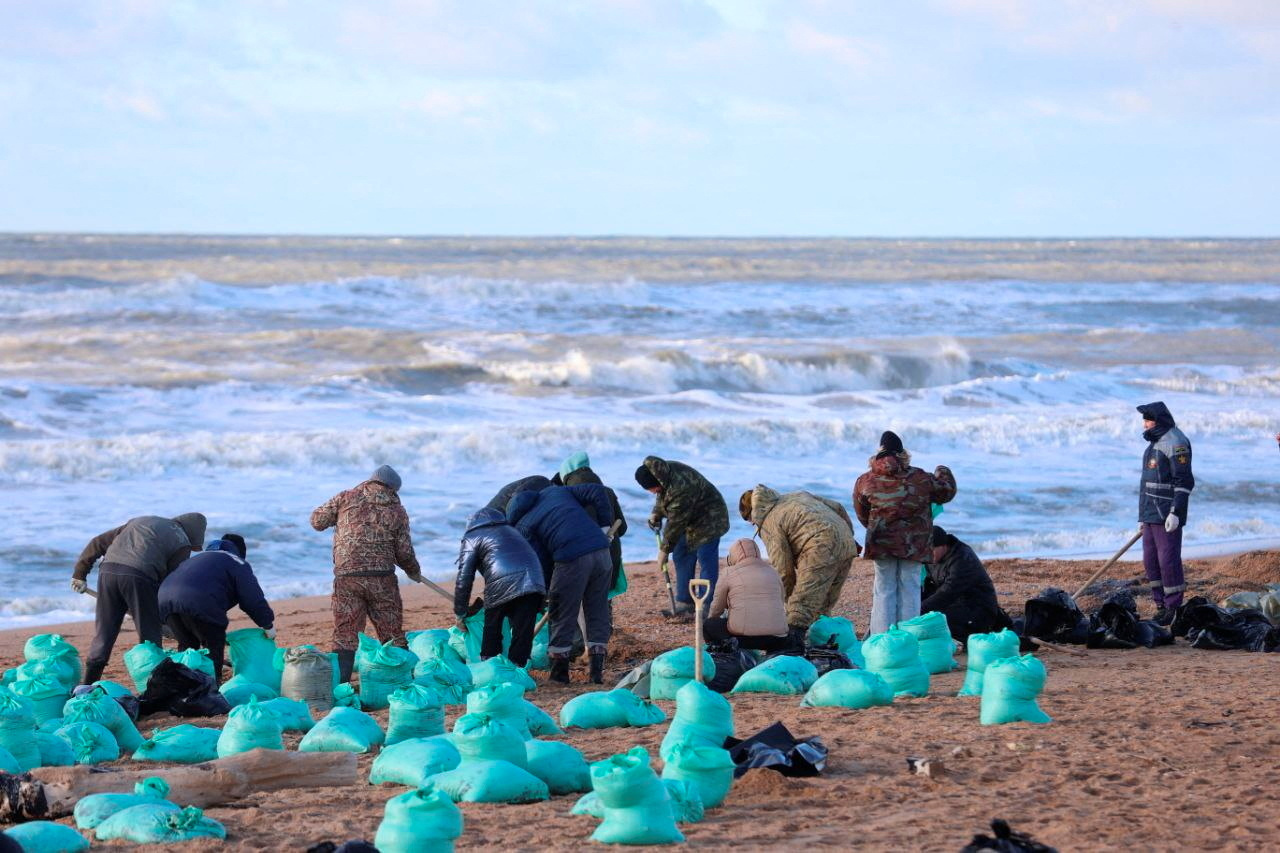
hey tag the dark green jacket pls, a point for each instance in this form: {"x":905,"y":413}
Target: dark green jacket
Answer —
{"x":692,"y":507}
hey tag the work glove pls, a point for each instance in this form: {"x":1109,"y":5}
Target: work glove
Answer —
{"x":270,"y":632}
{"x":1171,"y":523}
{"x":416,"y":577}
{"x":78,"y":585}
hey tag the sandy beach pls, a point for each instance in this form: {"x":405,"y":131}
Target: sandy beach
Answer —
{"x":1162,"y":749}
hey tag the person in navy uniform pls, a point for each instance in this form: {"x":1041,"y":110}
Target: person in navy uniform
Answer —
{"x":1162,"y":506}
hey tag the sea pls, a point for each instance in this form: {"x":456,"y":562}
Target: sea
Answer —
{"x":251,"y":378}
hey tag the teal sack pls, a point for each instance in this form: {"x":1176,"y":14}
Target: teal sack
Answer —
{"x":895,"y":657}
{"x":486,"y":781}
{"x":345,"y":696}
{"x":685,"y":801}
{"x":253,"y":655}
{"x":637,"y":809}
{"x":562,"y":767}
{"x":540,"y":723}
{"x":50,"y":725}
{"x":54,"y":751}
{"x":45,"y":646}
{"x":238,"y":690}
{"x":197,"y":659}
{"x":17,"y":729}
{"x":503,"y":702}
{"x":250,"y":726}
{"x":46,"y":695}
{"x":97,"y":706}
{"x":42,"y":836}
{"x":140,"y":661}
{"x":481,"y":737}
{"x":294,"y":716}
{"x":443,"y":671}
{"x":609,"y":708}
{"x":64,"y":669}
{"x":708,"y":767}
{"x":848,"y":688}
{"x":95,"y":808}
{"x":114,"y":689}
{"x":788,"y":675}
{"x":382,"y":668}
{"x":343,"y":730}
{"x":184,"y":744}
{"x":424,"y":820}
{"x":467,"y":643}
{"x":703,"y":717}
{"x":499,"y":670}
{"x":413,"y":762}
{"x":425,"y":644}
{"x":416,"y":712}
{"x":983,"y":650}
{"x":539,"y":657}
{"x":827,"y":631}
{"x":157,"y":823}
{"x":90,"y":743}
{"x":934,"y":641}
{"x":1009,"y":690}
{"x":9,"y":764}
{"x":674,"y":669}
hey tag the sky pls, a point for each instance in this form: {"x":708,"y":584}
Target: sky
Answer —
{"x":654,"y":117}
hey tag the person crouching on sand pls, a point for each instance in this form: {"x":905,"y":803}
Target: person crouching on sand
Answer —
{"x":513,"y":583}
{"x":892,"y":502}
{"x":370,"y":539}
{"x":959,"y":587}
{"x":750,"y":590}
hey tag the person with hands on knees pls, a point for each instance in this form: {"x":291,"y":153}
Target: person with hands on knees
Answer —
{"x":513,"y":584}
{"x":1163,"y":496}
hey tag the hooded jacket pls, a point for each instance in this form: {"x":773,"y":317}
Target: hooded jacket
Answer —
{"x":961,"y":589}
{"x":892,"y":502}
{"x":693,"y":507}
{"x":583,"y":475}
{"x":750,"y":589}
{"x":149,"y":544}
{"x":210,"y":583}
{"x":372,"y":531}
{"x":1167,"y":480}
{"x":802,"y":532}
{"x":533,"y":483}
{"x":503,"y":557}
{"x":556,"y":522}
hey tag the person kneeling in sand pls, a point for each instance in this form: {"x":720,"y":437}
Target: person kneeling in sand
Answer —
{"x":959,"y":587}
{"x":194,"y":600}
{"x":751,"y":591}
{"x":513,"y":583}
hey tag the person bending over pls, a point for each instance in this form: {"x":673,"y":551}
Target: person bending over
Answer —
{"x":513,"y":584}
{"x":750,"y":590}
{"x":575,"y":471}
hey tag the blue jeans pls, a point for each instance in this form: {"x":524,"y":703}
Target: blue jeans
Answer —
{"x":707,"y":557}
{"x":895,"y":594}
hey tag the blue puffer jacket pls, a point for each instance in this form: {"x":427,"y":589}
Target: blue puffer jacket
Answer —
{"x":556,"y":524}
{"x":1166,"y":469}
{"x":212,"y":582}
{"x":503,"y":557}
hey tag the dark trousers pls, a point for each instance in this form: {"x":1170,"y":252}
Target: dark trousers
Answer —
{"x":522,"y":613}
{"x":121,"y":590}
{"x":1162,"y":561}
{"x":580,"y":584}
{"x":194,"y":633}
{"x":717,"y":630}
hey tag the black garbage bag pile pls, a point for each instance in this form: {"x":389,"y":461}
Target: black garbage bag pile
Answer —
{"x":1054,"y":616}
{"x":1116,"y":626}
{"x":182,"y":691}
{"x":775,"y":748}
{"x":731,"y":661}
{"x":827,"y":657}
{"x":1208,"y":626}
{"x":1005,"y":840}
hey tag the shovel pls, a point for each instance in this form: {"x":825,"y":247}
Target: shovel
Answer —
{"x":699,"y":590}
{"x":1108,"y":564}
{"x":666,"y":574}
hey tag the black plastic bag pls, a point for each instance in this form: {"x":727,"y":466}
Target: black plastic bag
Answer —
{"x":1054,"y":616}
{"x":130,"y":705}
{"x":1006,"y":841}
{"x":352,"y":846}
{"x":777,"y":749}
{"x":731,"y":661}
{"x":182,"y":691}
{"x":1117,"y":626}
{"x":1208,"y":626}
{"x":828,"y":657}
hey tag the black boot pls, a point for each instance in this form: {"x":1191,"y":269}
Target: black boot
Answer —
{"x":560,"y":670}
{"x":93,"y":671}
{"x":597,"y":667}
{"x":795,"y":640}
{"x":346,"y":663}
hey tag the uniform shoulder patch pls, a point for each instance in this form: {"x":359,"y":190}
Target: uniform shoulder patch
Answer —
{"x":1181,"y":450}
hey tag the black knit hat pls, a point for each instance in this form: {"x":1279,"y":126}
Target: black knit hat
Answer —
{"x":890,"y":444}
{"x":940,"y":537}
{"x":237,"y":540}
{"x":646,"y":479}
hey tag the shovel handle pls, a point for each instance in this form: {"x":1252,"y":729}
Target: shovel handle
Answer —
{"x":1108,"y":564}
{"x":699,"y":589}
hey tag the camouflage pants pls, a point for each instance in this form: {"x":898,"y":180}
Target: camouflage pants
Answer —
{"x":815,"y":591}
{"x":375,"y":598}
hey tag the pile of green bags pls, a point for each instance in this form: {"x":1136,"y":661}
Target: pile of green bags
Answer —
{"x":421,"y":642}
{"x":383,"y":669}
{"x":499,"y":670}
{"x":196,"y":659}
{"x":637,"y":808}
{"x":423,"y":820}
{"x":343,"y":730}
{"x":95,"y":808}
{"x":848,"y":688}
{"x":54,"y":751}
{"x":933,"y":638}
{"x":494,"y":765}
{"x":440,"y":668}
{"x":90,"y":742}
{"x":466,"y":643}
{"x":253,"y":656}
{"x":250,"y":726}
{"x":985,"y":649}
{"x":788,"y":675}
{"x":46,"y":694}
{"x":895,"y":657}
{"x":674,"y":669}
{"x":97,"y":706}
{"x":828,"y":628}
{"x":17,"y":727}
{"x":561,"y":766}
{"x":141,"y":661}
{"x":506,"y":702}
{"x":53,"y":648}
{"x":309,"y":676}
{"x":159,"y":823}
{"x":609,"y":708}
{"x":416,"y":712}
{"x":685,"y":801}
{"x":183,"y":744}
{"x":708,"y":767}
{"x":413,"y":762}
{"x":703,"y":718}
{"x":43,"y":836}
{"x":1009,"y":690}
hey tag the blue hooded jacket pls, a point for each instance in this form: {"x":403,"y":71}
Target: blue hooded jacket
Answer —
{"x":208,"y":584}
{"x":1167,"y":480}
{"x":557,"y":524}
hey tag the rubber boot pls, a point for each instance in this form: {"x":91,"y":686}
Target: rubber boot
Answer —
{"x":560,"y":670}
{"x":597,"y":667}
{"x":346,"y":663}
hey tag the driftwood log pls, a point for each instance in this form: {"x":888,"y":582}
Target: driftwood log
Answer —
{"x":49,"y":793}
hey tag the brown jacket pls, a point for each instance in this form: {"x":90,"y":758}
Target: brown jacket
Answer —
{"x":892,"y":501}
{"x":372,"y":535}
{"x":752,"y":592}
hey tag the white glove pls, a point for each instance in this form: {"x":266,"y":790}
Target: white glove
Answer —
{"x":78,"y":585}
{"x":270,"y":632}
{"x":1171,"y":523}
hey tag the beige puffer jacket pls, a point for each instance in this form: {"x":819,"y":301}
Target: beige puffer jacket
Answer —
{"x":750,"y":589}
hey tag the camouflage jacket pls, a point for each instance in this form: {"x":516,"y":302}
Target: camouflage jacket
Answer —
{"x":372,"y":535}
{"x":892,"y":502}
{"x":802,"y":531}
{"x":693,"y":507}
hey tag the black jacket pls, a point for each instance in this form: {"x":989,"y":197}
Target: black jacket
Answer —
{"x":586,"y":475}
{"x":557,"y":523}
{"x":534,"y":483}
{"x":212,"y":582}
{"x":961,"y":589}
{"x":1167,"y":480}
{"x":503,"y":557}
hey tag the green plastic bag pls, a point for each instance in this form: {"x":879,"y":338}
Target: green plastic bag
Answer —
{"x":425,"y":644}
{"x":114,"y":689}
{"x":848,"y":688}
{"x":343,"y":730}
{"x":250,"y":726}
{"x":197,"y":659}
{"x":50,"y":725}
{"x":503,"y":702}
{"x":41,"y":646}
{"x":452,"y":680}
{"x":239,"y":690}
{"x":895,"y":657}
{"x":95,"y":808}
{"x":708,"y":767}
{"x":703,"y":717}
{"x":17,"y":729}
{"x":487,"y":781}
{"x":467,"y":643}
{"x":90,"y":742}
{"x":983,"y":650}
{"x":562,"y":767}
{"x":788,"y":675}
{"x":294,"y":716}
{"x":309,"y":676}
{"x":345,"y":696}
{"x":608,"y":708}
{"x":424,"y":820}
{"x":686,"y":802}
{"x":637,"y":809}
{"x":97,"y":706}
{"x":540,"y":723}
{"x":483,"y":737}
{"x":43,"y":836}
{"x":841,"y":630}
{"x":156,"y":823}
{"x":141,"y":661}
{"x":539,"y":656}
{"x":413,"y":762}
{"x":933,"y":637}
{"x":499,"y":670}
{"x":1009,"y":690}
{"x":674,"y":669}
{"x":54,"y":751}
{"x":254,"y":656}
{"x":9,"y":764}
{"x":184,"y":744}
{"x":382,"y":668}
{"x":416,"y":712}
{"x":46,"y":695}
{"x":64,"y":669}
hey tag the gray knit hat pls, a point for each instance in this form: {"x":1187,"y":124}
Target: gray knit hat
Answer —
{"x":387,"y":475}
